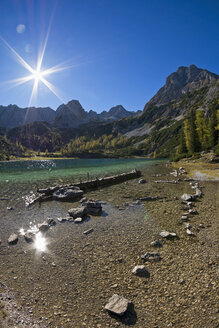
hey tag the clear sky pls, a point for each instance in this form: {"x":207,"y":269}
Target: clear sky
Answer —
{"x":120,"y":51}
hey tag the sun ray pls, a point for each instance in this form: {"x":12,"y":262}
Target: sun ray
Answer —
{"x":52,"y":88}
{"x":21,"y":60}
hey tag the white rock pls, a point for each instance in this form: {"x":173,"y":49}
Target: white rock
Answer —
{"x":140,"y":270}
{"x":117,"y":304}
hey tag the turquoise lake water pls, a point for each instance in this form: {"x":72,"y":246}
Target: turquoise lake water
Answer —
{"x":66,"y":169}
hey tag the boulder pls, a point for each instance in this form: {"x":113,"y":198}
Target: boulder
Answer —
{"x":168,"y":235}
{"x":117,"y":304}
{"x":13,"y":239}
{"x":67,"y":193}
{"x":78,"y":212}
{"x":151,"y":257}
{"x":93,"y":207}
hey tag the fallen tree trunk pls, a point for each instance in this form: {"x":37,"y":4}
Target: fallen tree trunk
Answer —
{"x":75,"y":190}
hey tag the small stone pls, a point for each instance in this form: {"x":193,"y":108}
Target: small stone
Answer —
{"x":192,"y":211}
{"x":87,"y":232}
{"x":188,"y":226}
{"x":201,"y":226}
{"x":117,"y":304}
{"x":51,"y":221}
{"x":156,"y":243}
{"x":78,"y":212}
{"x":142,"y":181}
{"x":53,"y":264}
{"x":151,"y":257}
{"x":186,"y":197}
{"x":9,"y":208}
{"x":168,"y":235}
{"x":63,"y":219}
{"x":184,"y":218}
{"x":140,"y":270}
{"x":189,"y":232}
{"x":78,"y":220}
{"x":114,"y":286}
{"x":13,"y":239}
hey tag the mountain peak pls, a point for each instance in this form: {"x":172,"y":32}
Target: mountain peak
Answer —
{"x":183,"y":80}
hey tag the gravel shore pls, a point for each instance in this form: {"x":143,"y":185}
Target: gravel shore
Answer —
{"x":180,"y":291}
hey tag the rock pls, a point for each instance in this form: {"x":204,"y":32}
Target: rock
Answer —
{"x":188,"y":226}
{"x":51,"y":221}
{"x":67,"y":193}
{"x":174,"y":173}
{"x":142,"y":181}
{"x":201,"y":226}
{"x":198,"y":193}
{"x":78,"y":220}
{"x":186,"y":197}
{"x":13,"y":239}
{"x":192,"y":211}
{"x":117,"y":304}
{"x":185,"y":218}
{"x":28,"y":236}
{"x":43,"y":227}
{"x":9,"y":208}
{"x":156,"y":243}
{"x":151,"y":257}
{"x":78,"y":212}
{"x":87,"y":232}
{"x":140,"y":270}
{"x":168,"y":235}
{"x":189,"y":232}
{"x":63,"y":219}
{"x":93,"y":207}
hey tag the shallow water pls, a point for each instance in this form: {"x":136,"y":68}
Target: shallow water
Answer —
{"x":69,"y":280}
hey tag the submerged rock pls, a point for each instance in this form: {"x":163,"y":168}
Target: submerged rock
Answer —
{"x":93,"y":207}
{"x":78,"y":212}
{"x":43,"y":227}
{"x":13,"y":239}
{"x":67,"y":193}
{"x":28,"y":236}
{"x":117,"y":304}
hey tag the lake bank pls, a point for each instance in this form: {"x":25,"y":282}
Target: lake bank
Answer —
{"x":88,"y":270}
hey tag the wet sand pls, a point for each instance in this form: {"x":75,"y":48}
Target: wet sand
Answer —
{"x":69,"y":284}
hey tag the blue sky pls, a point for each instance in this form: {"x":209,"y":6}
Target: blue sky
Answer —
{"x":121,"y":51}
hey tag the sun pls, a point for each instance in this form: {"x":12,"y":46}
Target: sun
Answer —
{"x":37,"y":75}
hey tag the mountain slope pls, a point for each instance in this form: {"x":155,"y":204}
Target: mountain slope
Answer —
{"x":12,"y":115}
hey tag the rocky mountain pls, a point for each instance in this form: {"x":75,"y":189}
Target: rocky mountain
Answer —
{"x":72,"y":114}
{"x":12,"y":115}
{"x":68,"y":115}
{"x":185,"y":79}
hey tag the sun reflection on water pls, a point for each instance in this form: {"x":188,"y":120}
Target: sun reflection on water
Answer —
{"x":40,"y":242}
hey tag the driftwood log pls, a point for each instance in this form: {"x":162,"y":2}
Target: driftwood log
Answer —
{"x":76,"y":190}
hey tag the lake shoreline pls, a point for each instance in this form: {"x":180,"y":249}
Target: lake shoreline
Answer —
{"x":179,"y":283}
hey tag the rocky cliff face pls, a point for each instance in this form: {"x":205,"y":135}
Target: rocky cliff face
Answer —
{"x":183,"y":80}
